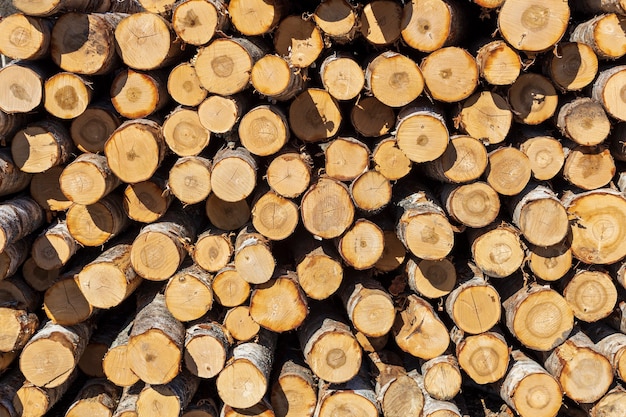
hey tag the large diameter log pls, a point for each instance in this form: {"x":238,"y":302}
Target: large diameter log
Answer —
{"x":76,"y":37}
{"x":337,"y":19}
{"x":41,"y":145}
{"x":196,"y":21}
{"x":245,"y":378}
{"x":584,"y":374}
{"x":597,"y":234}
{"x":298,"y":39}
{"x":498,"y":63}
{"x":529,"y":389}
{"x":486,"y":116}
{"x":604,"y":34}
{"x":474,"y":205}
{"x":442,"y":377}
{"x":169,"y":399}
{"x":545,"y":154}
{"x":372,"y":118}
{"x":356,"y":396}
{"x":135,"y":150}
{"x":183,"y":83}
{"x":604,"y":87}
{"x":19,"y":216}
{"x":314,"y":115}
{"x":91,"y":129}
{"x":183,"y":132}
{"x":233,"y":175}
{"x":98,"y":397}
{"x":419,"y":331}
{"x":137,"y":94}
{"x":22,"y":83}
{"x":50,"y":357}
{"x":33,"y":401}
{"x":87,"y":179}
{"x":155,"y":344}
{"x":362,"y":244}
{"x":25,"y":37}
{"x":95,"y":224}
{"x":591,"y":294}
{"x":431,"y":279}
{"x":484,"y":357}
{"x":146,"y":41}
{"x":464,"y":160}
{"x":342,"y":76}
{"x":509,"y":170}
{"x":474,"y":305}
{"x":116,"y":362}
{"x":147,"y":201}
{"x":188,"y":294}
{"x":380,"y":22}
{"x":369,"y":306}
{"x":421,"y":132}
{"x":533,"y":26}
{"x":574,"y":67}
{"x":253,"y":256}
{"x":294,"y":390}
{"x":206,"y":348}
{"x":18,"y":328}
{"x":428,"y":26}
{"x":394,"y":79}
{"x":326,"y":209}
{"x":280,"y":304}
{"x":446,"y":82}
{"x":190,"y":179}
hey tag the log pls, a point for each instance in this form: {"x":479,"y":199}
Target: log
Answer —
{"x":41,"y":145}
{"x":475,"y":204}
{"x":168,"y":399}
{"x":97,"y":397}
{"x":361,"y":246}
{"x":8,"y":388}
{"x":342,"y":76}
{"x":127,"y":406}
{"x":15,"y":292}
{"x":91,"y":362}
{"x":274,"y":216}
{"x":430,"y":279}
{"x":591,"y":294}
{"x":474,"y":305}
{"x":294,"y":391}
{"x":147,"y":201}
{"x":6,"y":359}
{"x":371,"y":118}
{"x":326,"y":208}
{"x":280,"y":304}
{"x":229,"y":287}
{"x":188,"y":294}
{"x":33,"y":401}
{"x":371,"y":192}
{"x":545,"y":154}
{"x":10,"y":124}
{"x":432,"y":406}
{"x":610,"y":405}
{"x":224,"y":183}
{"x":314,"y":115}
{"x":421,"y":132}
{"x":337,"y":19}
{"x":299,"y":40}
{"x":380,"y":22}
{"x":190,"y":179}
{"x":589,"y":168}
{"x":245,"y":377}
{"x":256,"y":17}
{"x":20,"y":217}
{"x":196,"y":22}
{"x":616,"y":142}
{"x":87,"y":179}
{"x":91,"y":129}
{"x":484,"y":356}
{"x":611,"y":344}
{"x":116,"y":362}
{"x":51,"y":355}
{"x":442,"y":377}
{"x":204,"y":407}
{"x":263,"y":130}
{"x":38,"y":278}
{"x":574,"y":67}
{"x":273,"y":76}
{"x":550,"y":264}
{"x":22,"y":82}
{"x":18,"y":328}
{"x":155,"y":345}
{"x":183,"y":132}
{"x":356,"y":396}
{"x":253,"y":256}
{"x":318,"y":267}
{"x":345,"y":158}
{"x":138,"y":94}
{"x":64,"y":302}
{"x":213,"y":250}
{"x":608,"y":81}
{"x":432,"y":25}
{"x":183,"y":84}
{"x":486,"y":116}
{"x":25,"y":37}
{"x":54,"y":7}
{"x":583,"y":121}
{"x":463,"y":161}
{"x":240,"y":325}
{"x":592,"y":7}
{"x":206,"y":348}
{"x":219,"y":114}
{"x":498,"y":63}
{"x":369,"y":306}
{"x":394,"y":79}
{"x":450,"y":83}
{"x":13,"y":256}
{"x":97,"y":223}
{"x":604,"y":34}
{"x":508,"y":171}
{"x":261,"y":409}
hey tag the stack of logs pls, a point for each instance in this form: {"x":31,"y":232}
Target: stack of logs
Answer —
{"x":312,"y":208}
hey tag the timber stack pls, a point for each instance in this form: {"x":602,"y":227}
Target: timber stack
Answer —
{"x":312,"y":208}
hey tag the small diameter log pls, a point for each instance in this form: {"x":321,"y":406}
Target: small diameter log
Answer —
{"x":206,"y":348}
{"x":92,"y":128}
{"x":329,"y":347}
{"x":474,"y":205}
{"x":533,"y":26}
{"x":135,"y":150}
{"x":423,"y":227}
{"x":147,"y":201}
{"x":10,"y":124}
{"x":550,"y":264}
{"x":224,"y":65}
{"x":338,"y":19}
{"x":299,"y":40}
{"x":589,"y":168}
{"x":112,"y":271}
{"x":546,"y":156}
{"x":18,"y":326}
{"x":380,"y":22}
{"x":13,"y":256}
{"x":127,"y":406}
{"x":498,"y":63}
{"x":342,"y":76}
{"x":574,"y":66}
{"x":25,"y":37}
{"x":584,"y":374}
{"x":421,"y":132}
{"x":41,"y":145}
{"x":464,"y":160}
{"x":611,"y":344}
{"x":369,"y":306}
{"x":155,"y":344}
{"x":64,"y":302}
{"x":220,"y":114}
{"x":183,"y":132}
{"x":213,"y":250}
{"x":604,"y":34}
{"x":538,"y":317}
{"x":245,"y":378}
{"x":432,"y":27}
{"x":390,"y":160}
{"x":326,"y":208}
{"x":263,"y":130}
{"x":485,"y":116}
{"x":8,"y":387}
{"x":371,"y":192}
{"x":533,"y":99}
{"x":539,"y":215}
{"x":76,"y":37}
{"x":95,"y":224}
{"x":394,"y":79}
{"x":240,"y":325}
{"x":484,"y":357}
{"x":508,"y":171}
{"x":289,"y":173}
{"x":190,"y":179}
{"x":168,"y":399}
{"x":16,"y":293}
{"x":318,"y":268}
{"x":22,"y":86}
{"x":611,"y":404}
{"x":229,"y":287}
{"x":314,"y":115}
{"x":116,"y":362}
{"x":597,"y":235}
{"x":51,"y":355}
{"x":261,"y":409}
{"x":91,"y":362}
{"x":273,"y":76}
{"x":397,"y":393}
{"x":197,"y":21}
{"x":6,"y":359}
{"x":19,"y":217}
{"x":362,"y":245}
{"x":183,"y":84}
{"x":136,"y":94}
{"x":188,"y":294}
{"x":604,"y":87}
{"x":474,"y":305}
{"x":294,"y":392}
{"x":346,"y":158}
{"x":87,"y":179}
{"x":33,"y":401}
{"x":256,"y":17}
{"x":356,"y":396}
{"x":161,"y":247}
{"x":280,"y":304}
{"x":98,"y":398}
{"x":371,"y":118}
{"x":234,"y":174}
{"x":450,"y":74}
{"x":529,"y":389}
{"x":583,"y":121}
{"x":592,"y":7}
{"x":253,"y":256}
{"x":430,"y":279}
{"x":146,"y":41}
{"x":591,"y":294}
{"x":419,"y":331}
{"x":442,"y":377}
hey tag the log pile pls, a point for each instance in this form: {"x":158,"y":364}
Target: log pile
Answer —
{"x":276,"y":208}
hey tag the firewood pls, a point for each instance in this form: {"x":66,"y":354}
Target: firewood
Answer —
{"x":147,"y":201}
{"x":590,"y":294}
{"x":388,"y":159}
{"x":326,"y":208}
{"x":33,"y":401}
{"x":18,"y":327}
{"x":190,"y":179}
{"x":273,"y":76}
{"x":41,"y":145}
{"x":15,"y":292}
{"x":240,"y":325}
{"x":610,"y":405}
{"x":38,"y":278}
{"x":91,"y":361}
{"x":552,"y":263}
{"x":87,"y":179}
{"x":589,"y":168}
{"x":362,"y":245}
{"x":224,"y":183}
{"x":183,"y":132}
{"x":280,"y":304}
{"x":611,"y":344}
{"x":8,"y":388}
{"x":54,"y":7}
{"x":188,"y":294}
{"x":64,"y":302}
{"x":168,"y":399}
{"x":294,"y":392}
{"x":22,"y":82}
{"x":338,"y":19}
{"x":204,"y":407}
{"x":608,"y":80}
{"x":498,"y":63}
{"x":346,"y":158}
{"x":533,"y":99}
{"x":20,"y":217}
{"x":464,"y":160}
{"x":529,"y":389}
{"x":355,"y":396}
{"x":183,"y":83}
{"x":263,"y":130}
{"x":475,"y":204}
{"x":450,"y":83}
{"x":196,"y":22}
{"x":485,"y":115}
{"x":256,"y":17}
{"x":13,"y":256}
{"x":430,"y":279}
{"x":51,"y":355}
{"x":380,"y":22}
{"x":432,"y":406}
{"x":595,"y":33}
{"x":371,"y":191}
{"x":369,"y":306}
{"x":474,"y":305}
{"x":206,"y":348}
{"x":137,"y":94}
{"x":574,"y":67}
{"x":583,"y":121}
{"x":25,"y":37}
{"x":97,"y":397}
{"x":54,"y":247}
{"x":219,"y":114}
{"x":394,"y":79}
{"x":318,"y":267}
{"x":127,"y":406}
{"x":91,"y":129}
{"x":299,"y":40}
{"x":508,"y":171}
{"x":261,"y":409}
{"x":371,"y":118}
{"x":483,"y":356}
{"x":545,"y":155}
{"x":431,"y":25}
{"x":253,"y":257}
{"x":230,"y":289}
{"x":342,"y":76}
{"x":314,"y":115}
{"x":289,"y":173}
{"x":442,"y":377}
{"x":115,"y":363}
{"x":421,"y":132}
{"x":10,"y":124}
{"x":97,"y":223}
